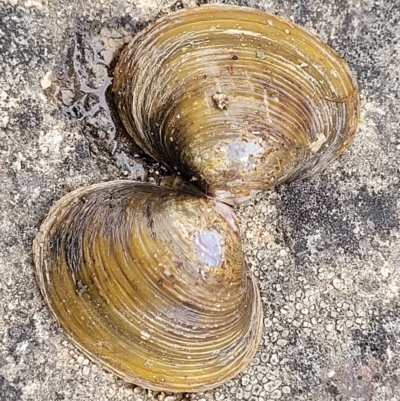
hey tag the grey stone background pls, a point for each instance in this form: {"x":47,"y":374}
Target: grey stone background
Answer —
{"x":326,"y":251}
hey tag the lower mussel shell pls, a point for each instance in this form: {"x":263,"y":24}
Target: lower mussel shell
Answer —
{"x":150,"y":282}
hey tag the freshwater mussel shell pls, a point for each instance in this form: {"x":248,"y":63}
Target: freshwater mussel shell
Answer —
{"x":235,"y":99}
{"x":151,"y":283}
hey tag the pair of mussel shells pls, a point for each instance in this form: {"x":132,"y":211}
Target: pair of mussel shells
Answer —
{"x":150,"y":281}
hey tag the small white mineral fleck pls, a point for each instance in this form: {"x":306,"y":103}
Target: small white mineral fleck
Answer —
{"x":337,"y":283}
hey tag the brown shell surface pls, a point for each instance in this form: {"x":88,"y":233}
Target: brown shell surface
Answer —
{"x":151,"y":283}
{"x":234,"y":99}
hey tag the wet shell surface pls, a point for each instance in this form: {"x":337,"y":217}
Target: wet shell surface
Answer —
{"x":151,"y":282}
{"x":235,"y":99}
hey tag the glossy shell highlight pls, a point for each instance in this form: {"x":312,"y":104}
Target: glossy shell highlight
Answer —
{"x":151,"y":283}
{"x":236,"y":100}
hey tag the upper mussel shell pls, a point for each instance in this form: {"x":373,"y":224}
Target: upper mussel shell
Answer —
{"x":235,"y":99}
{"x":150,"y":282}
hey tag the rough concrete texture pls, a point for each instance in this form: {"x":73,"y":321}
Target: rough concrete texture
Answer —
{"x":326,"y":251}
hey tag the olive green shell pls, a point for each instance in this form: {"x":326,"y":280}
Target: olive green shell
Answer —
{"x":150,"y":282}
{"x":235,"y":99}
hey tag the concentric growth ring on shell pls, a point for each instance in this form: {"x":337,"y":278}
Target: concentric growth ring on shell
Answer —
{"x":235,"y":100}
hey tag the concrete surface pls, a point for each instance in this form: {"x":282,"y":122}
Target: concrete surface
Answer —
{"x":326,"y":251}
